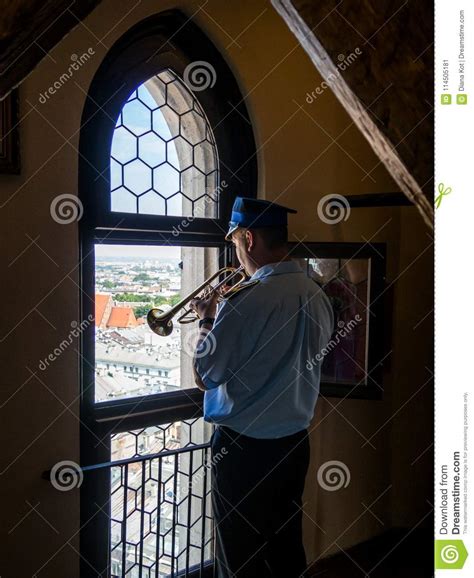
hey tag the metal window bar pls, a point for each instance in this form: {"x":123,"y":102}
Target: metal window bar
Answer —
{"x":160,"y":521}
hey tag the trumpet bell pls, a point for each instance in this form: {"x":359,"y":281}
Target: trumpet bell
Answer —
{"x":159,"y":322}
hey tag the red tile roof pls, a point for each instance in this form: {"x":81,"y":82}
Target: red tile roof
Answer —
{"x":122,"y":317}
{"x":101,"y":301}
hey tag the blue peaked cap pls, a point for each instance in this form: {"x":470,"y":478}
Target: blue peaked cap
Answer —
{"x":255,"y":213}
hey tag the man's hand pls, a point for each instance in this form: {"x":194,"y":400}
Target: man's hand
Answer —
{"x":205,"y":307}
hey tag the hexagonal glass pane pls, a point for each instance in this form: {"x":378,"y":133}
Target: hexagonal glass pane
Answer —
{"x":152,"y":204}
{"x":124,"y":145}
{"x":184,"y":153}
{"x":123,"y":201}
{"x":151,"y":149}
{"x":205,"y":157}
{"x":193,"y":183}
{"x":166,"y":180}
{"x":179,"y":97}
{"x":213,"y":187}
{"x":152,"y":94}
{"x":193,"y":127}
{"x":136,"y":117}
{"x":174,"y":205}
{"x":165,"y":123}
{"x":203,"y":207}
{"x":166,"y":76}
{"x":115,"y":174}
{"x":137,"y":176}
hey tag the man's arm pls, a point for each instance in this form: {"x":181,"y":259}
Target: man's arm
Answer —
{"x":204,"y":308}
{"x":222,"y":345}
{"x":206,"y":327}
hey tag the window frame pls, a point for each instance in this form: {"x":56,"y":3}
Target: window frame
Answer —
{"x":223,"y":104}
{"x":139,"y":54}
{"x":158,"y":404}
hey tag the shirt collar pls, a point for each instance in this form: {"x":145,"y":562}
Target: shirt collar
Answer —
{"x":277,"y":269}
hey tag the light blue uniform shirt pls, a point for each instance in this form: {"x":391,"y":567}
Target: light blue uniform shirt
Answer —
{"x":254,"y":360}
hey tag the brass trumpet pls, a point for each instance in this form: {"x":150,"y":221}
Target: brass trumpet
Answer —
{"x":160,"y":322}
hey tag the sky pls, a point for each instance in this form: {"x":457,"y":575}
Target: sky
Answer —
{"x":137,"y":175}
{"x":140,"y":251}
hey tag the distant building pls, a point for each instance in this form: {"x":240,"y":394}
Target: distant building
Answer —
{"x":137,"y":362}
{"x":122,"y":317}
{"x":123,"y":371}
{"x":107,"y":315}
{"x":103,"y":308}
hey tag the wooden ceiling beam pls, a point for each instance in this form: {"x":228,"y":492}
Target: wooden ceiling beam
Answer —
{"x":377,"y":58}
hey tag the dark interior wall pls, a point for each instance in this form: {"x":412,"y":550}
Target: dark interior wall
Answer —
{"x":299,"y":162}
{"x":395,"y":39}
{"x":386,"y":444}
{"x":412,"y":428}
{"x":391,"y":43}
{"x":29,"y":29}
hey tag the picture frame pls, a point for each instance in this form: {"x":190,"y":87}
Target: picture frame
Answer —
{"x":353,"y":277}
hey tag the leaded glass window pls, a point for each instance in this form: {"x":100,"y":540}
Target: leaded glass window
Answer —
{"x":163,"y":155}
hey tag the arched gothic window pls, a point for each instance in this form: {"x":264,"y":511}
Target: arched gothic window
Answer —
{"x":164,"y":157}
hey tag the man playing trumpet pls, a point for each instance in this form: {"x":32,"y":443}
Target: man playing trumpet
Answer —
{"x":260,"y":395}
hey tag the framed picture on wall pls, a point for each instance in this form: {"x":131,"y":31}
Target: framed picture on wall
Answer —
{"x":9,"y":134}
{"x":353,"y":277}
